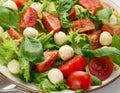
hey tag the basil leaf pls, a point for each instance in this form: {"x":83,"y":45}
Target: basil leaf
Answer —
{"x":104,"y":15}
{"x":8,"y":18}
{"x":64,"y":9}
{"x":32,"y":50}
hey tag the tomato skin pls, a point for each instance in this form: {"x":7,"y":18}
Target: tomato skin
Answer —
{"x":14,"y":34}
{"x":19,"y":3}
{"x":29,"y":18}
{"x":73,"y":14}
{"x":101,"y":67}
{"x":82,"y":25}
{"x":51,"y":22}
{"x":74,"y":64}
{"x":79,"y":80}
{"x":89,"y":4}
{"x":50,"y":58}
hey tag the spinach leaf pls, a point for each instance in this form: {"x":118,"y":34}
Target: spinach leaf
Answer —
{"x":24,"y":69}
{"x":32,"y":50}
{"x":8,"y":18}
{"x":111,"y":52}
{"x":64,"y":9}
{"x":96,"y":81}
{"x":104,"y":15}
{"x":79,"y":91}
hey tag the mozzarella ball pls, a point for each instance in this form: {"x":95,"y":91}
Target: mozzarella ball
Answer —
{"x":10,"y":4}
{"x":60,"y":38}
{"x":30,"y":31}
{"x":55,"y":76}
{"x":113,"y":20}
{"x":37,"y":6}
{"x":1,"y":30}
{"x":105,"y":38}
{"x":66,"y":52}
{"x":14,"y":66}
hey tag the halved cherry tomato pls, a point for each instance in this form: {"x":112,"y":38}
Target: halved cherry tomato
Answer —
{"x":20,"y":2}
{"x":14,"y":34}
{"x":79,"y":80}
{"x":50,"y":58}
{"x":73,"y":14}
{"x":101,"y":67}
{"x":89,"y":4}
{"x":82,"y":25}
{"x":29,"y":18}
{"x":51,"y":22}
{"x":74,"y":64}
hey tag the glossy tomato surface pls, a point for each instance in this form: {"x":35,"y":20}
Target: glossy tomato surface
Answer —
{"x":77,"y":63}
{"x":101,"y":67}
{"x":51,"y":22}
{"x":29,"y":18}
{"x":79,"y":80}
{"x":50,"y":58}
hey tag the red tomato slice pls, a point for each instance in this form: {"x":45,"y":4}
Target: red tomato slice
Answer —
{"x":89,"y":4}
{"x":19,"y":3}
{"x":29,"y":18}
{"x":82,"y":25}
{"x":14,"y":34}
{"x":73,"y":14}
{"x":74,"y":64}
{"x":79,"y":80}
{"x":101,"y":67}
{"x":50,"y":58}
{"x":51,"y":22}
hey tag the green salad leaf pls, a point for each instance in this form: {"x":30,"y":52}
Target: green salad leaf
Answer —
{"x":8,"y":18}
{"x":2,"y":2}
{"x":32,"y":50}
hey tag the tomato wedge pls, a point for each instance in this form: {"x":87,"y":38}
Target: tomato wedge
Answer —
{"x":50,"y":58}
{"x":101,"y":67}
{"x":29,"y":18}
{"x":14,"y":34}
{"x":74,"y":64}
{"x":73,"y":14}
{"x":79,"y":80}
{"x":19,"y":3}
{"x":82,"y":25}
{"x":89,"y":4}
{"x":51,"y":22}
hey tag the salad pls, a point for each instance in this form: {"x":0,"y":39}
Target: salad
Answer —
{"x":59,"y":44}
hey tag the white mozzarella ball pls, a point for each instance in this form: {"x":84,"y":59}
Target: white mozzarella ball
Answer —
{"x":105,"y":38}
{"x":55,"y":76}
{"x":10,"y":4}
{"x":66,"y":52}
{"x":37,"y":6}
{"x":60,"y":38}
{"x":113,"y":20}
{"x":14,"y":66}
{"x":30,"y":31}
{"x":1,"y":30}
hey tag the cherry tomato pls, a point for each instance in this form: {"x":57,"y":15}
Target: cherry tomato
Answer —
{"x":89,"y":4}
{"x":73,"y":14}
{"x":51,"y":22}
{"x":82,"y":25}
{"x":50,"y":58}
{"x":101,"y":67}
{"x":29,"y":18}
{"x":74,"y":64}
{"x":79,"y":80}
{"x":19,"y":3}
{"x":14,"y":34}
